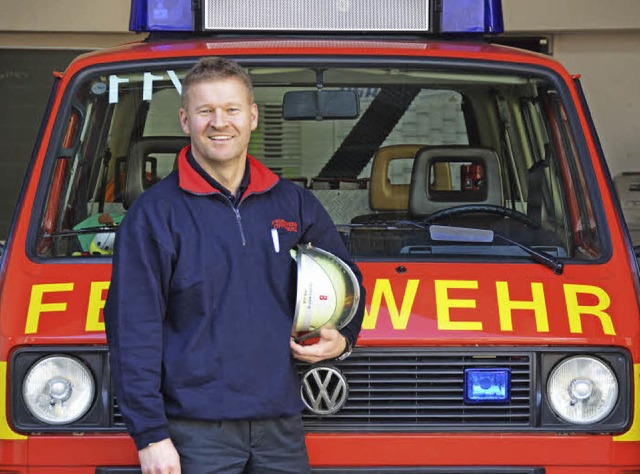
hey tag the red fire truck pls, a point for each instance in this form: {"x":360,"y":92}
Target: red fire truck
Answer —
{"x":502,"y":328}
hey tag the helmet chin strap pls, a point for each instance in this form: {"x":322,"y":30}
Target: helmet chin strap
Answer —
{"x":308,"y":335}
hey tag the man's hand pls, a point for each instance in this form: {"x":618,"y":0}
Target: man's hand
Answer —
{"x":330,"y":344}
{"x":160,"y":458}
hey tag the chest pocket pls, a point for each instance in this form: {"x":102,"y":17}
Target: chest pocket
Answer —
{"x":284,"y":235}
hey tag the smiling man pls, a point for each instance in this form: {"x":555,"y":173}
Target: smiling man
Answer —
{"x":219,"y":120}
{"x":201,"y":302}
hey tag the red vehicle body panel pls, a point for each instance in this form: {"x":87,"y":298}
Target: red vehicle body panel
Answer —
{"x":52,"y":303}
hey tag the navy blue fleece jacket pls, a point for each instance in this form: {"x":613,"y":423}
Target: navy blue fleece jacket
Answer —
{"x":201,"y":302}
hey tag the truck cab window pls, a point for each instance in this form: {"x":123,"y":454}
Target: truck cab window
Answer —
{"x":481,"y":151}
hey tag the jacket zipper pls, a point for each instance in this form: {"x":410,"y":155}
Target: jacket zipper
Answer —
{"x":236,"y":210}
{"x":239,"y":221}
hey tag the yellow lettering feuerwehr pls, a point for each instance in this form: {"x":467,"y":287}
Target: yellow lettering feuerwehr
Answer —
{"x":575,"y":310}
{"x":400,"y":319}
{"x":444,"y":304}
{"x":633,"y":434}
{"x":507,"y":305}
{"x":96,"y":303}
{"x":36,"y":306}
{"x":5,"y":429}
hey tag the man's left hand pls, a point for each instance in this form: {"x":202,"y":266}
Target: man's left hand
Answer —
{"x":330,"y":345}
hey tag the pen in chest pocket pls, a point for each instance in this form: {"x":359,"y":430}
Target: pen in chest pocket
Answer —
{"x":276,"y":240}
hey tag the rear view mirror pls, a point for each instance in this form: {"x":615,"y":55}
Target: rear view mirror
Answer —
{"x":320,"y":105}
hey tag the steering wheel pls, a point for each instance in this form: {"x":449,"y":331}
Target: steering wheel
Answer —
{"x":483,"y":209}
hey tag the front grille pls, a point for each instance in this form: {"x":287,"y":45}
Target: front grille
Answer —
{"x":423,"y":389}
{"x":420,"y":390}
{"x":117,"y":420}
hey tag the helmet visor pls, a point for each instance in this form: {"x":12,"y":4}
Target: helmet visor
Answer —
{"x":327,"y":291}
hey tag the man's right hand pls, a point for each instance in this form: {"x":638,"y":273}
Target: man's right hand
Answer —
{"x":160,"y":458}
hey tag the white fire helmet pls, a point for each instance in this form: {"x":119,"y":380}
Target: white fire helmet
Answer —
{"x":327,"y":290}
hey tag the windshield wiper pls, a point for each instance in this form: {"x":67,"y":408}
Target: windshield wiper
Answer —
{"x":464,"y":234}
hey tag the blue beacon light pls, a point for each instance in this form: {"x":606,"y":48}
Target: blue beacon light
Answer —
{"x":487,"y":386}
{"x":472,"y":16}
{"x":161,"y":15}
{"x":456,"y":16}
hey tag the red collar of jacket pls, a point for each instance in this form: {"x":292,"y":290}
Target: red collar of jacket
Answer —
{"x":262,"y":178}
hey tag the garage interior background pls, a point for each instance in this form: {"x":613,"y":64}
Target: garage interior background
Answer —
{"x":599,"y":40}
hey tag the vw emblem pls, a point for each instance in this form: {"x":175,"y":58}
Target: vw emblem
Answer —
{"x":324,"y":390}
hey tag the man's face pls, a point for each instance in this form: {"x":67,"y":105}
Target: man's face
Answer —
{"x":219,"y":117}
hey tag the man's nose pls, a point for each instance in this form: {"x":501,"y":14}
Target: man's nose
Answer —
{"x":218,"y":119}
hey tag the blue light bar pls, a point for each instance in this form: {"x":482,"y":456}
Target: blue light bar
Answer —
{"x":161,"y":15}
{"x":456,"y":16}
{"x":487,"y":385}
{"x":472,"y":16}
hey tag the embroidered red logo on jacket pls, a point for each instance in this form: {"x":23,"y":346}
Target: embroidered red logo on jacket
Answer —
{"x":282,"y":224}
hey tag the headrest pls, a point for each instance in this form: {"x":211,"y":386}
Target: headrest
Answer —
{"x":383,"y":195}
{"x":136,"y":162}
{"x":479,"y":181}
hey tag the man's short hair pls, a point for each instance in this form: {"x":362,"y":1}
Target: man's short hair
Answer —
{"x":215,"y":69}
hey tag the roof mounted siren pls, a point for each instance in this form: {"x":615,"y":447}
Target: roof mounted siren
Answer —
{"x":430,"y":17}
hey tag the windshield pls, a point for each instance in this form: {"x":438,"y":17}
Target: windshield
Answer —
{"x":467,"y":149}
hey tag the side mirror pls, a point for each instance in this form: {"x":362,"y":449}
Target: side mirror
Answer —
{"x":320,"y":105}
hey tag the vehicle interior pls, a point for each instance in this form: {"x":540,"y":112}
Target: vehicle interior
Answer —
{"x":469,"y":150}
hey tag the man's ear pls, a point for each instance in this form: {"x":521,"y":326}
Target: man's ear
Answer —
{"x":184,"y":120}
{"x":254,"y":116}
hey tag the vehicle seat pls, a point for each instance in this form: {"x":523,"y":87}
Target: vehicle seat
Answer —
{"x":428,"y":193}
{"x":137,"y":179}
{"x":386,"y":199}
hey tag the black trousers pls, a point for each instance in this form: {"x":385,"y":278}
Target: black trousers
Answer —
{"x":273,"y":446}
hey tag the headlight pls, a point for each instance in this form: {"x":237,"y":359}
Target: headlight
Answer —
{"x":58,"y":390}
{"x":582,"y":390}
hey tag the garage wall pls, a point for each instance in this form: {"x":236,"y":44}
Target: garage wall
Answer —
{"x":600,"y":40}
{"x":25,"y":85}
{"x":571,"y":15}
{"x":36,"y":38}
{"x":110,"y":16}
{"x":520,"y":15}
{"x":609,"y":64}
